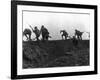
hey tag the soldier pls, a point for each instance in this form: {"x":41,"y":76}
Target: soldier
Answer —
{"x":27,"y":32}
{"x":36,"y":31}
{"x":78,"y":34}
{"x":65,"y":34}
{"x":44,"y":33}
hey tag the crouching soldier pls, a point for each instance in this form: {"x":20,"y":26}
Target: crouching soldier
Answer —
{"x":27,"y":33}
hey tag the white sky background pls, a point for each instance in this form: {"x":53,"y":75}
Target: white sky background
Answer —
{"x":55,"y":22}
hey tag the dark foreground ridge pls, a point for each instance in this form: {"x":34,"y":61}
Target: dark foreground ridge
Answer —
{"x":57,"y":53}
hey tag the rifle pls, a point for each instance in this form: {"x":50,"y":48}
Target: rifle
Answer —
{"x":31,"y":28}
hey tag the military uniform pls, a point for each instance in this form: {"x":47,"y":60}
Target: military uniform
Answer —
{"x":44,"y":33}
{"x":37,"y":33}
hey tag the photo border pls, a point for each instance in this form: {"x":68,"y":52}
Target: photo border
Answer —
{"x":14,"y":38}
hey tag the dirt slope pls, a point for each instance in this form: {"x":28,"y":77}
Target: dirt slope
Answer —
{"x":55,"y":54}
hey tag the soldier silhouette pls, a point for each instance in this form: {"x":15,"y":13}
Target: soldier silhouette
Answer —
{"x":36,"y":31}
{"x":27,"y":33}
{"x":78,"y":34}
{"x":44,"y":32}
{"x":65,"y":34}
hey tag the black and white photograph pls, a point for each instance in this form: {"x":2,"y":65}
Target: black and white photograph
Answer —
{"x":55,"y":39}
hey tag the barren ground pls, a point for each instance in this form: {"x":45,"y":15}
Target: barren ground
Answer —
{"x":57,"y":53}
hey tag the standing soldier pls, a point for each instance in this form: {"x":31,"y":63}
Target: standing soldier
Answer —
{"x":37,"y":33}
{"x":44,"y":33}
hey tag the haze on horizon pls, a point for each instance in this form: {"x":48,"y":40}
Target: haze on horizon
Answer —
{"x":55,"y":22}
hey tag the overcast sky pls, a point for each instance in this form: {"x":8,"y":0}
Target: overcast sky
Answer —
{"x":55,"y":22}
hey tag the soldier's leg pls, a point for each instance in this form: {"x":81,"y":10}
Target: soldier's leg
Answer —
{"x":65,"y":37}
{"x":62,"y":36}
{"x":43,"y":37}
{"x":26,"y":36}
{"x":81,"y":37}
{"x":47,"y":37}
{"x":37,"y":38}
{"x":29,"y":37}
{"x":78,"y":37}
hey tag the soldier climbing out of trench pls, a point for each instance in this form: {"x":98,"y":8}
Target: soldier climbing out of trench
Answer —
{"x":27,"y":33}
{"x":64,"y":34}
{"x":45,"y":33}
{"x":78,"y":34}
{"x":36,"y":31}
